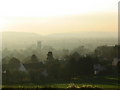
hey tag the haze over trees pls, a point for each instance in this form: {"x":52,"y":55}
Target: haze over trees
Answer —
{"x":22,"y":40}
{"x":31,"y":58}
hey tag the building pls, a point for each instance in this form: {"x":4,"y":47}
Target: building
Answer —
{"x":39,"y":45}
{"x":22,"y":68}
{"x":115,"y":61}
{"x":98,"y":68}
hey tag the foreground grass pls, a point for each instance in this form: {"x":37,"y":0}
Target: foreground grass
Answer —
{"x":105,"y":82}
{"x":59,"y":86}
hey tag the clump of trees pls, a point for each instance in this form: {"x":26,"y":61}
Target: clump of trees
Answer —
{"x":72,"y":66}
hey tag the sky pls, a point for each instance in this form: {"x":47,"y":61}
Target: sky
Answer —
{"x":58,"y":16}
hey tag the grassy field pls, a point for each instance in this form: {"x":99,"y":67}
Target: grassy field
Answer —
{"x":98,"y":81}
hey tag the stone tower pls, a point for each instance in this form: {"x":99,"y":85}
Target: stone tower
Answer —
{"x":39,"y":45}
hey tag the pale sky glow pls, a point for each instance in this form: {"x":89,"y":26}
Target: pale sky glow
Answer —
{"x":57,"y":16}
{"x":54,"y":7}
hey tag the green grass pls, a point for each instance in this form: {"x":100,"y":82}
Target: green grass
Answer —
{"x":99,"y":81}
{"x":61,"y":86}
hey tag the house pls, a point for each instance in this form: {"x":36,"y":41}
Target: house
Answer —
{"x":22,"y":68}
{"x":98,"y":68}
{"x":115,"y":61}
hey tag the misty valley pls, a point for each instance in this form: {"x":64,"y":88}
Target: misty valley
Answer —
{"x":30,"y":59}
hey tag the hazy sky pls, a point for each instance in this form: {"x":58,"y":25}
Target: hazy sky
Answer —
{"x":58,"y":16}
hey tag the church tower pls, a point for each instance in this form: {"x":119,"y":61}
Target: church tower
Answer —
{"x":39,"y":45}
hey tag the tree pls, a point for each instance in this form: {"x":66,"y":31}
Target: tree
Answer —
{"x":34,"y":59}
{"x":14,"y":64}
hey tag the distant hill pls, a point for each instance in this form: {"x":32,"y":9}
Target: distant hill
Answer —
{"x":86,"y":35}
{"x":19,"y":40}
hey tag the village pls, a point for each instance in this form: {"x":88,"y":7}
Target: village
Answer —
{"x":104,"y":61}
